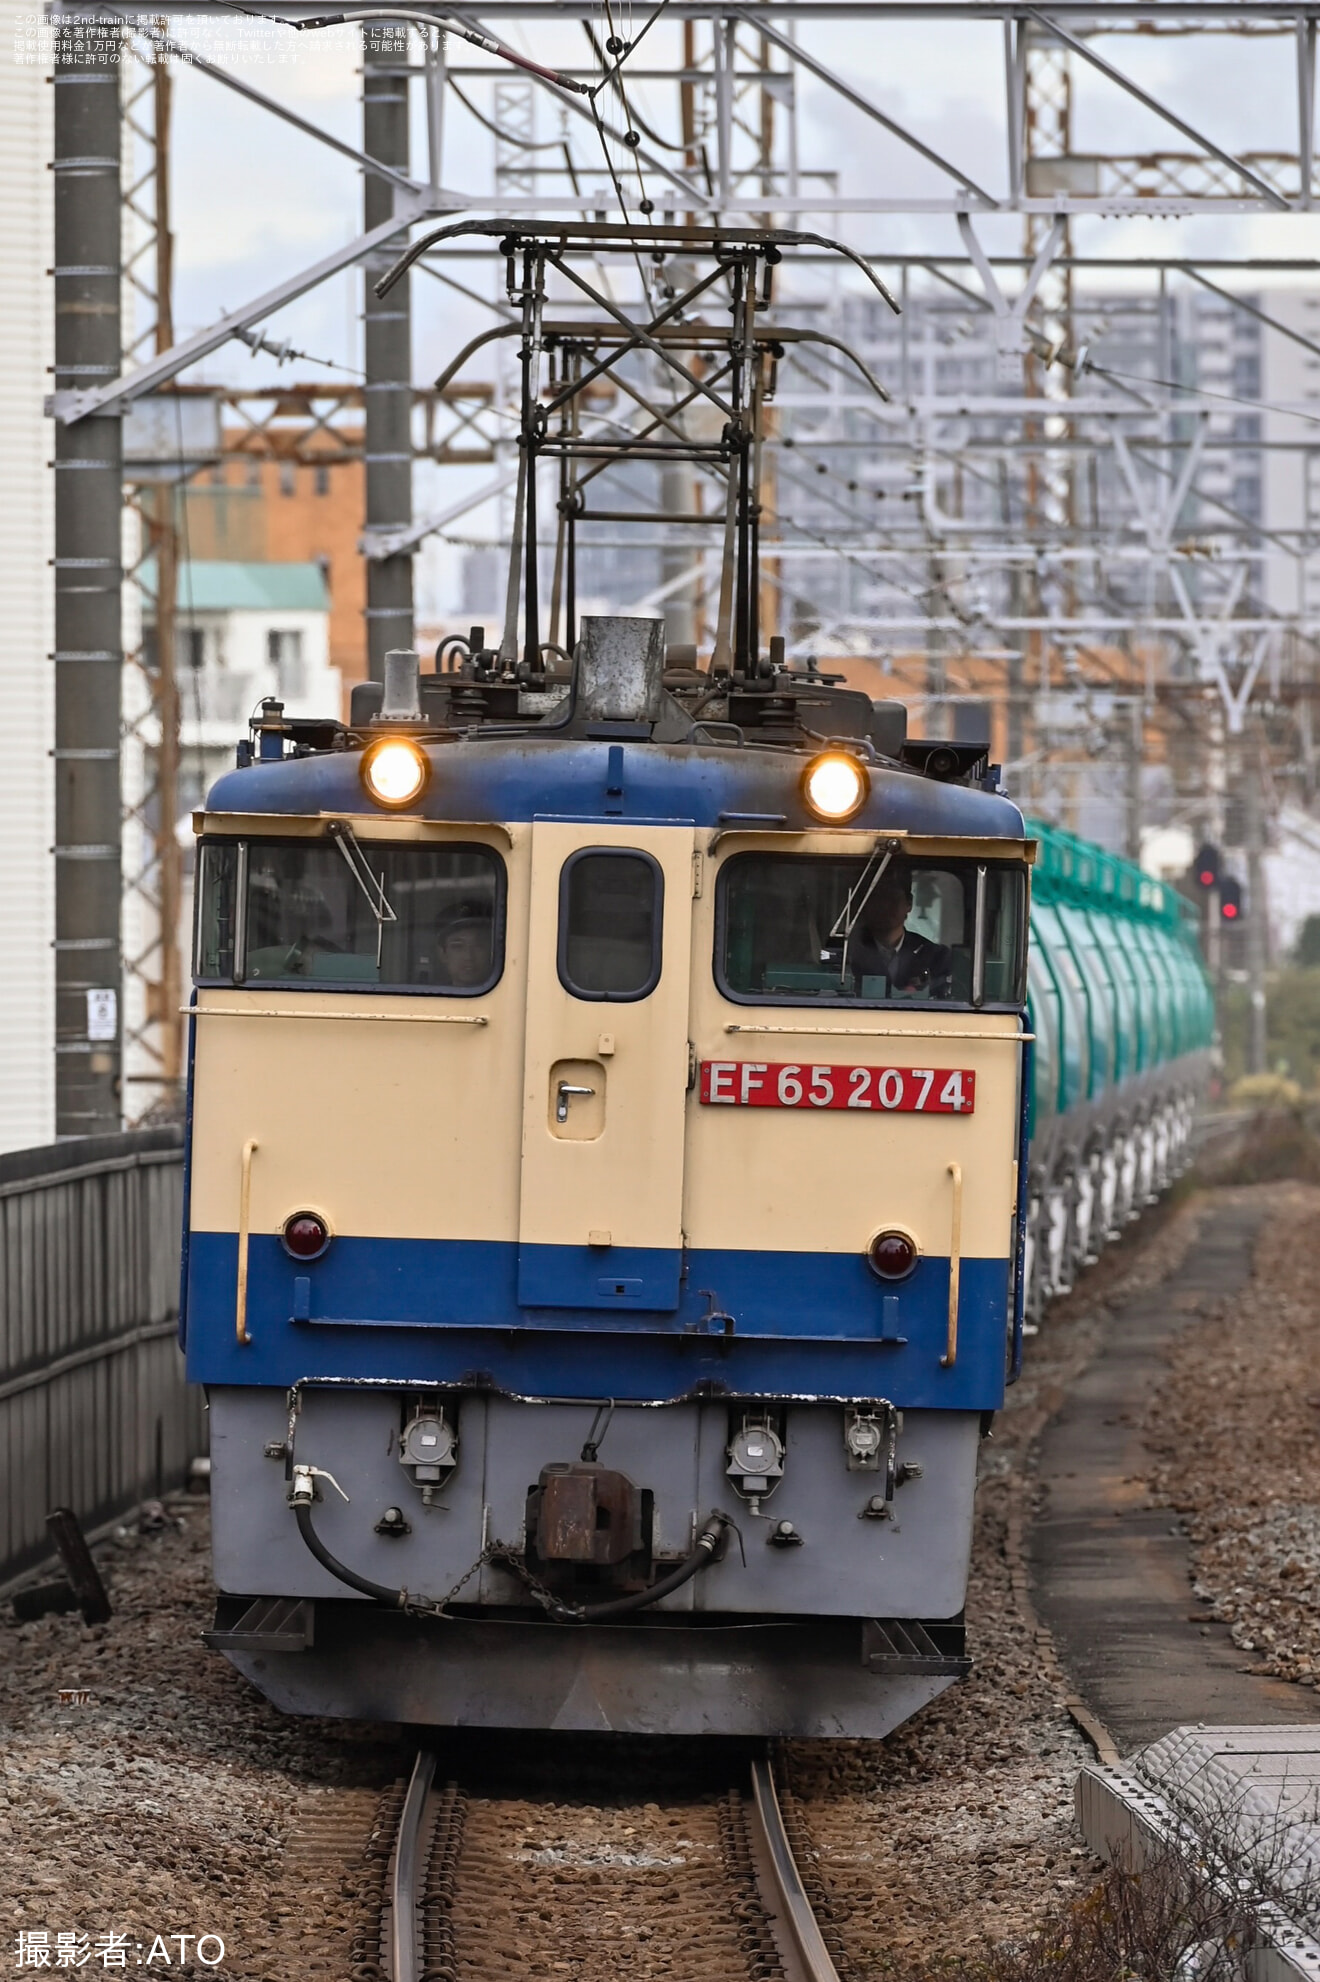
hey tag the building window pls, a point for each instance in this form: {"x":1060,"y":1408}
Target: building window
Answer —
{"x":323,"y":481}
{"x":192,"y":643}
{"x":287,"y":478}
{"x":284,"y":650}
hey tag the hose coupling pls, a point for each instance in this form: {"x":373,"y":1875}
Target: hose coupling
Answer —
{"x":713,"y":1533}
{"x":302,"y":1493}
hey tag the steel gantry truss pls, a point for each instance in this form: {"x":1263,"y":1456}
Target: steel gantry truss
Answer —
{"x":1029,"y":521}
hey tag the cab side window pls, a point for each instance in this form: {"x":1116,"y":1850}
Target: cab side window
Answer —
{"x":611,"y":909}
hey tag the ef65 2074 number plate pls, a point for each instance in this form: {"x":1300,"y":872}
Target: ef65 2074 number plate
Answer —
{"x":890,"y":1090}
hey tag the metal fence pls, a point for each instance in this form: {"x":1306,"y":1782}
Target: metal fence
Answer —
{"x":94,"y":1411}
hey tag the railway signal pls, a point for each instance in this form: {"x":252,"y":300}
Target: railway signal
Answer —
{"x":1230,"y":899}
{"x":1205,"y":867}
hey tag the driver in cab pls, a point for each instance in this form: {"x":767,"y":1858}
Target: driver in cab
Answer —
{"x":463,"y":936}
{"x":882,"y":945}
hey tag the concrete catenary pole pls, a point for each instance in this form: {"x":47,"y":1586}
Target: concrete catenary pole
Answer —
{"x":387,"y":347}
{"x":88,"y":639}
{"x":1258,"y":905}
{"x":170,"y":498}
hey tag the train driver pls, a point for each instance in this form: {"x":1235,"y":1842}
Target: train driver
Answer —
{"x":882,"y":945}
{"x":463,"y":935}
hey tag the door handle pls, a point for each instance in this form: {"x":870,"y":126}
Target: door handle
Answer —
{"x":566,"y":1089}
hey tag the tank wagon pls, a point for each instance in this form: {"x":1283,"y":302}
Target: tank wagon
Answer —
{"x":1123,"y":1018}
{"x":610,"y":1083}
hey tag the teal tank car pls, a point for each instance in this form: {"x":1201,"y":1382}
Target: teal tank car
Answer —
{"x":1123,"y":1018}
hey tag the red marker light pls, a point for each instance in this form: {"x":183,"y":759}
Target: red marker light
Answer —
{"x":892,"y":1255}
{"x":305,"y":1235}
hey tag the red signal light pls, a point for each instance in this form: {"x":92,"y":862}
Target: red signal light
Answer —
{"x":1230,"y":911}
{"x":1206,"y":878}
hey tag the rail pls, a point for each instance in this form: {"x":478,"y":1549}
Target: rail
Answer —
{"x":787,"y":1898}
{"x":407,"y":1873}
{"x":95,"y":1413}
{"x":803,"y":1954}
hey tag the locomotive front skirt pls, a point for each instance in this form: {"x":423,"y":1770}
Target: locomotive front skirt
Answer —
{"x":606,"y":1214}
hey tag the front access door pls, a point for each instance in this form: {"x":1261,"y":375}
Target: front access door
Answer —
{"x":600,"y":1220}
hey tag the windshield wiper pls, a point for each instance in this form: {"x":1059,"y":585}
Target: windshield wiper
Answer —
{"x":351,"y":847}
{"x":848,"y":917}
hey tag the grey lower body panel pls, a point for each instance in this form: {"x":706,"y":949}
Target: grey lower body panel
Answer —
{"x":912,"y":1564}
{"x":803,"y":1679}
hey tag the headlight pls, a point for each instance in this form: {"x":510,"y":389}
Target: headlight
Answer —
{"x":395,"y":771}
{"x":835,"y":786}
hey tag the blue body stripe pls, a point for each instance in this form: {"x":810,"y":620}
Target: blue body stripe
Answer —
{"x":434,"y":1311}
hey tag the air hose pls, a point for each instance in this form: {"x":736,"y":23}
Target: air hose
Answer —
{"x":303,"y":1494}
{"x":396,"y":1599}
{"x":701,"y":1558}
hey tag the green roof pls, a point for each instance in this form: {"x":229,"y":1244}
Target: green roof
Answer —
{"x":208,"y":585}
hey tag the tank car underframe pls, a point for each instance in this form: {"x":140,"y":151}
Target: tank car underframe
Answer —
{"x":1097,"y":1168}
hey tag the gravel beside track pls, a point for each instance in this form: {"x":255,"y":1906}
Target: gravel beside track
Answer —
{"x":959,"y":1828}
{"x":176,"y":1800}
{"x":1236,"y":1436}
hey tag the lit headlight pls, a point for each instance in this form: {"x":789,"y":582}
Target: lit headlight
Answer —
{"x":395,"y":771}
{"x":835,"y":786}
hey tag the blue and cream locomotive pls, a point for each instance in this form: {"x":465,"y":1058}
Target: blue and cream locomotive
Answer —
{"x":608,"y":1182}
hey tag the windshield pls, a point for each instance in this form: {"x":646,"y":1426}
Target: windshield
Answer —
{"x":882,"y":929}
{"x":348,"y":912}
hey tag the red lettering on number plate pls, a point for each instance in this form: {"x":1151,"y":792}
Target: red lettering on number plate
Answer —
{"x":800,"y":1084}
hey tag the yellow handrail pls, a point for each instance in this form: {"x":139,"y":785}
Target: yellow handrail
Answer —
{"x":244,"y":1204}
{"x":950,"y":1356}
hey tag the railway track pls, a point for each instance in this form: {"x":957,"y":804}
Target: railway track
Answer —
{"x":731,"y":1903}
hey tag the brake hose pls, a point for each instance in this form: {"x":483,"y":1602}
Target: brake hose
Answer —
{"x":701,"y":1557}
{"x":703,"y":1554}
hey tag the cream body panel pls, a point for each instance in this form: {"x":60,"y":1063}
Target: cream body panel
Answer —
{"x":377,"y":1111}
{"x":826,"y":1180}
{"x":627,"y":1181}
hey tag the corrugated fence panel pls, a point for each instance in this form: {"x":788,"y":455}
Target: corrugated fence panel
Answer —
{"x":94,"y":1410}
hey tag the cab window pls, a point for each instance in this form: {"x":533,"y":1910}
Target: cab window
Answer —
{"x":872,"y":930}
{"x":344,"y":912}
{"x":611,"y":908}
